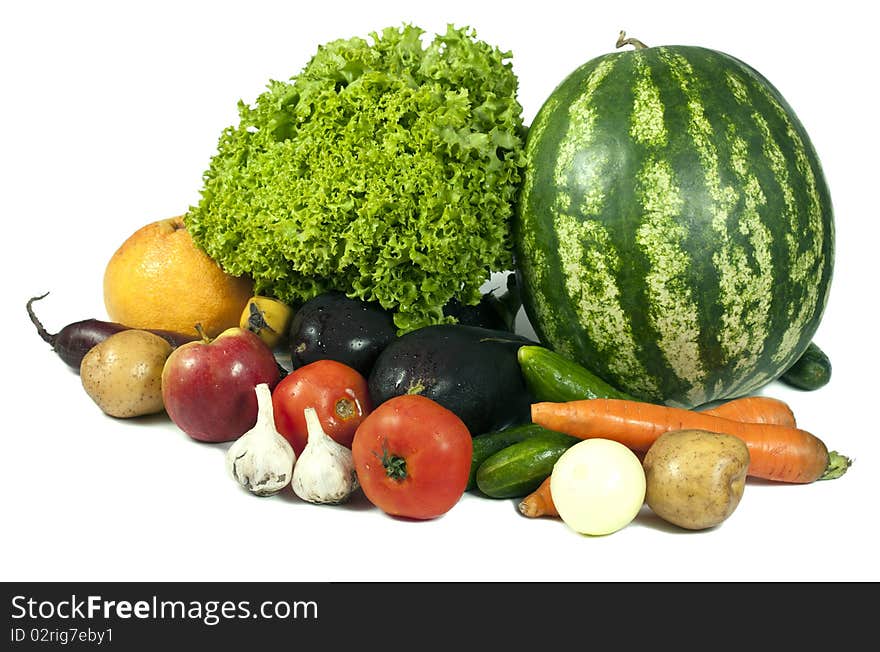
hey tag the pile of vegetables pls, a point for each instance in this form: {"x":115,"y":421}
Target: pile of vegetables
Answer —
{"x":386,"y":170}
{"x":370,"y":197}
{"x":695,"y":461}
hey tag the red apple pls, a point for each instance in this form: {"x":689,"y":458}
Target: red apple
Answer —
{"x":208,"y":386}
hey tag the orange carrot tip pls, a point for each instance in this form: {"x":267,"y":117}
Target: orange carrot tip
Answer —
{"x":539,"y":502}
{"x":530,"y":507}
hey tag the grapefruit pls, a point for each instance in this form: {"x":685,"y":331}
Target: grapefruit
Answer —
{"x":160,"y":279}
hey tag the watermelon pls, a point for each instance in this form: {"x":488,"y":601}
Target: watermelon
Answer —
{"x":674,"y":231}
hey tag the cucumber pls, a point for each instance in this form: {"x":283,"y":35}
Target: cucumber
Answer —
{"x":518,"y":469}
{"x":551,"y":376}
{"x":811,"y":371}
{"x":492,"y":442}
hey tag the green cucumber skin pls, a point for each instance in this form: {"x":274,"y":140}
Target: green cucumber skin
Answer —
{"x":492,"y":442}
{"x":518,"y":469}
{"x":811,"y":371}
{"x":553,"y":377}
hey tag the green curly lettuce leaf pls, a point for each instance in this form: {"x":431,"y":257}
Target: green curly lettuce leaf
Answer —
{"x":386,"y":169}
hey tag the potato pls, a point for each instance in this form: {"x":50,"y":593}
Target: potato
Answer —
{"x":123,"y":374}
{"x":695,"y":478}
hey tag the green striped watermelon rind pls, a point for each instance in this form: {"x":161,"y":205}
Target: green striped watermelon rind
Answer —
{"x":674,"y":231}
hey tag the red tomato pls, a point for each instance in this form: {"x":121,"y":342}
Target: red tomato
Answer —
{"x":412,"y":457}
{"x":338,"y":393}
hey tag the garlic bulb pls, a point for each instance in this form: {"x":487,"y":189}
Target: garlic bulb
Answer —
{"x":261,"y":460}
{"x":324,"y":473}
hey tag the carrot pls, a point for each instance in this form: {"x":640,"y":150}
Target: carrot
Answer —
{"x":781,"y":453}
{"x":539,"y":502}
{"x":755,"y":409}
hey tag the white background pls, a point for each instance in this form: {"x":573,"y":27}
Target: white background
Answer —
{"x":109,"y":115}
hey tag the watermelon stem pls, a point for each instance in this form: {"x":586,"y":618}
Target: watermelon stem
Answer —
{"x":636,"y":43}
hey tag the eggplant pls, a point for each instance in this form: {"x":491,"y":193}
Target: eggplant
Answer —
{"x":336,"y":327}
{"x":352,"y":331}
{"x":469,"y":370}
{"x":494,"y":311}
{"x":73,"y":341}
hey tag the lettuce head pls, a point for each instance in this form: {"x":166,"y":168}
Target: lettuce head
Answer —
{"x":387,"y":169}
